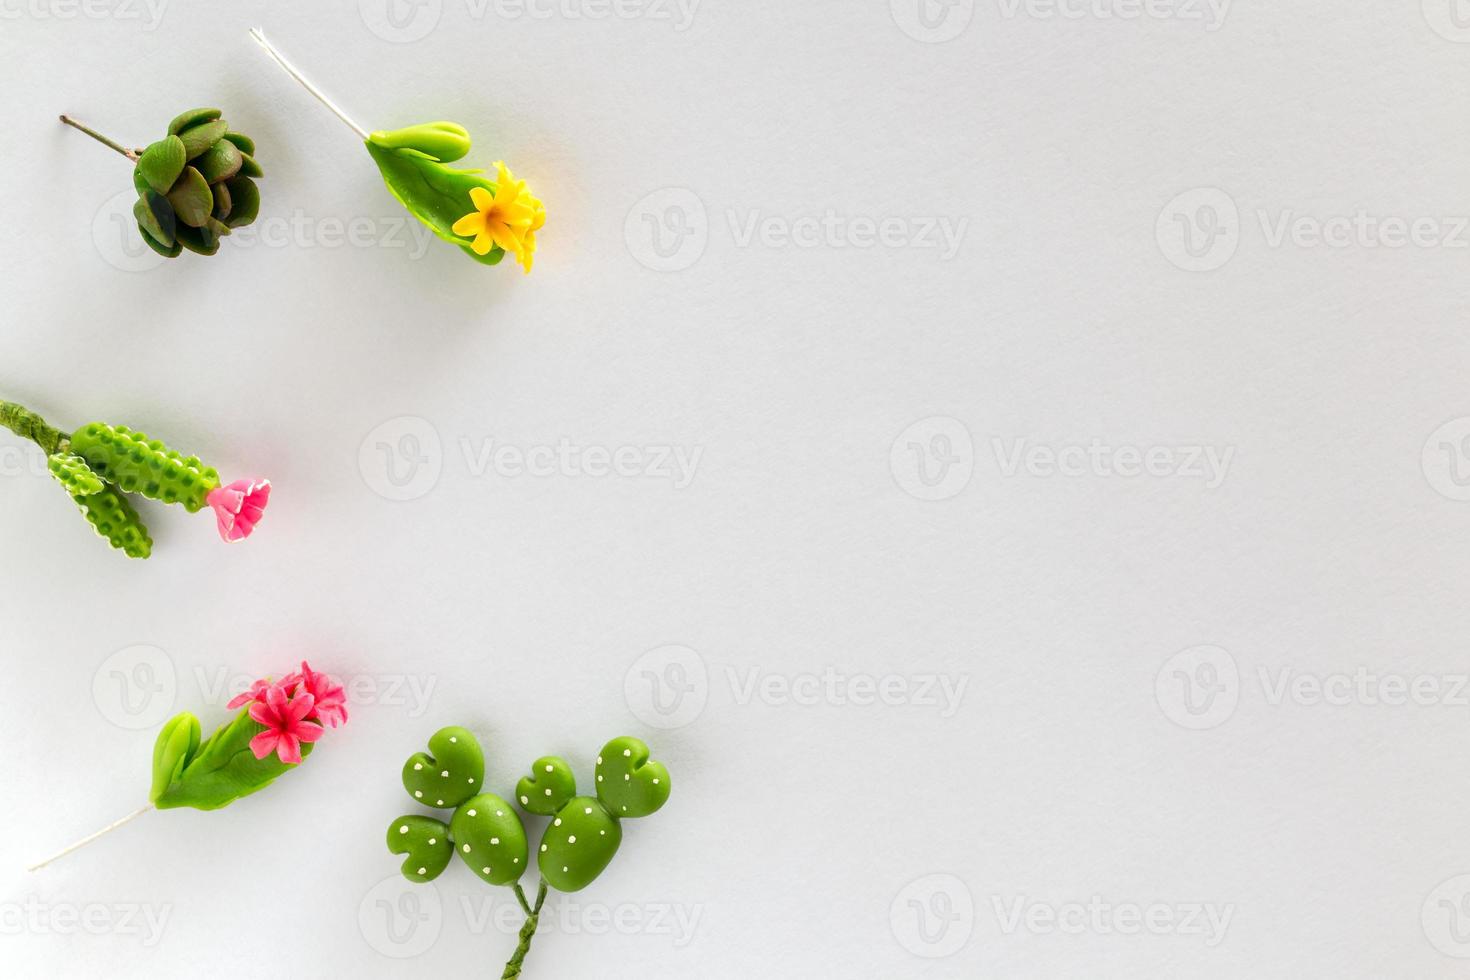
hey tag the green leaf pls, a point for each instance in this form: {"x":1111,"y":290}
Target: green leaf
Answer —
{"x":224,"y":769}
{"x":242,"y":142}
{"x":193,"y":117}
{"x":442,"y":141}
{"x":176,"y":745}
{"x":435,"y":194}
{"x":222,"y":201}
{"x":249,"y":167}
{"x":161,"y":164}
{"x":167,"y":251}
{"x":201,"y":241}
{"x":192,"y":198}
{"x":199,"y":138}
{"x":220,"y":161}
{"x":244,"y":201}
{"x":156,"y":217}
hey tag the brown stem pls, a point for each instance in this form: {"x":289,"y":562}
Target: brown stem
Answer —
{"x":130,"y":154}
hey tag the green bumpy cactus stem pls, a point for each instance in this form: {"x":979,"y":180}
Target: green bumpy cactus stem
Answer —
{"x":73,"y":473}
{"x":137,"y":464}
{"x":111,"y":516}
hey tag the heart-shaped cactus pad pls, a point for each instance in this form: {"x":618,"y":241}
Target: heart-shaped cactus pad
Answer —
{"x":629,"y":782}
{"x":488,"y":836}
{"x":425,"y":841}
{"x":449,"y":773}
{"x":549,"y":786}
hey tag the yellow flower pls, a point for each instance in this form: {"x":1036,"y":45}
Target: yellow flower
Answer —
{"x":508,"y":217}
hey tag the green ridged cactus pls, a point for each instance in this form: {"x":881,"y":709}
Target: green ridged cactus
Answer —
{"x":99,"y":463}
{"x":194,"y":185}
{"x":579,"y":841}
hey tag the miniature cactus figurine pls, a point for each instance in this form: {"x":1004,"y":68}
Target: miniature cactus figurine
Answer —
{"x":194,"y":185}
{"x":485,"y":216}
{"x":578,"y":843}
{"x":277,"y":724}
{"x":99,"y":463}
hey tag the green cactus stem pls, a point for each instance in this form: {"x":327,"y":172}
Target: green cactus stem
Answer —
{"x":138,"y":464}
{"x":28,"y":425}
{"x":528,"y":930}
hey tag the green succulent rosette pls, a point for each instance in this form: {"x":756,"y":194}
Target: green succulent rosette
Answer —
{"x":194,"y":186}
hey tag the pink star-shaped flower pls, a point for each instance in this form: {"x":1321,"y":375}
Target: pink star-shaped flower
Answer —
{"x":285,"y":725}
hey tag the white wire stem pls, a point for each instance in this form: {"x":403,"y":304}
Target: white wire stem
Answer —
{"x":91,"y":837}
{"x":290,"y":69}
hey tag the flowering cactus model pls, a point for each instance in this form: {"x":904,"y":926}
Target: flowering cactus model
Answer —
{"x":486,"y":832}
{"x":194,"y":185}
{"x":486,"y":217}
{"x":277,"y":724}
{"x":99,"y":464}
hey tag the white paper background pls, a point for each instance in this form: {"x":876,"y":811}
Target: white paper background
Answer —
{"x":1115,"y":184}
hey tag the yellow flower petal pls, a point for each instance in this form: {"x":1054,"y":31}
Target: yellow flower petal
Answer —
{"x":471,"y":224}
{"x":482,"y":243}
{"x":504,"y":237}
{"x":483,"y":199}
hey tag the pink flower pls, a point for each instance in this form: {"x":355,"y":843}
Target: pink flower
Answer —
{"x":330,"y":699}
{"x":256,"y":693}
{"x":238,"y":507}
{"x":285,"y":725}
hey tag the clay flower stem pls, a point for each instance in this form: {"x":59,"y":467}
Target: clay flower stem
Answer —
{"x":291,"y":70}
{"x":132,"y":155}
{"x":91,"y":837}
{"x":28,"y":425}
{"x":533,"y":915}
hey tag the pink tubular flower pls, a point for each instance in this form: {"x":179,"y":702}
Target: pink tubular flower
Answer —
{"x":330,"y":699}
{"x":238,"y":507}
{"x":257,"y":690}
{"x":285,"y":725}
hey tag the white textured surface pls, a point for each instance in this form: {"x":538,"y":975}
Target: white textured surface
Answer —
{"x":526,"y":606}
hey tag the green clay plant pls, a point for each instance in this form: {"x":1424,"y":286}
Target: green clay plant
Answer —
{"x":194,"y":186}
{"x":275,"y":728}
{"x":99,"y":465}
{"x":486,"y":216}
{"x":577,"y":844}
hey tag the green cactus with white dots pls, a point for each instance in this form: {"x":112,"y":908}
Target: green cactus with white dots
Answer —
{"x":100,"y":464}
{"x":579,"y":841}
